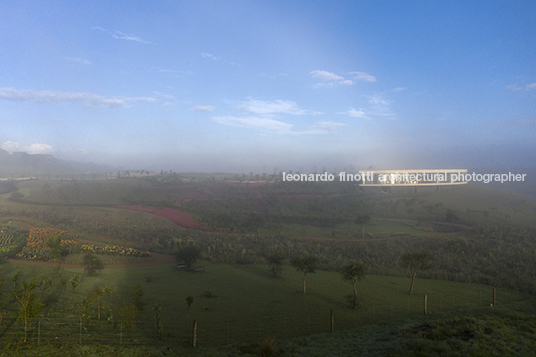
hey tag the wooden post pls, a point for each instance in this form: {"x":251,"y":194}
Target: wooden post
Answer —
{"x":194,"y":336}
{"x":425,"y":304}
{"x":494,"y":293}
{"x":332,"y":321}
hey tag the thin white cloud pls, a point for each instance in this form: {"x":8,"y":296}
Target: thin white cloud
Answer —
{"x":399,"y":89}
{"x":331,"y":79}
{"x":354,"y":113}
{"x":279,"y":127}
{"x":203,"y":108}
{"x":255,"y":123}
{"x":380,"y":106}
{"x":323,"y":127}
{"x":275,"y":107}
{"x":89,"y":99}
{"x":79,"y":60}
{"x":209,"y":56}
{"x":142,"y":99}
{"x":326,"y":76}
{"x":362,"y":76}
{"x":36,"y":148}
{"x":123,"y":36}
{"x":515,"y":87}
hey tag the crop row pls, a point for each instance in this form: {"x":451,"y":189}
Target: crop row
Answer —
{"x":10,"y":244}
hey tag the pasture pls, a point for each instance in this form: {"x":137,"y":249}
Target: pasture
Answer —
{"x":232,"y":304}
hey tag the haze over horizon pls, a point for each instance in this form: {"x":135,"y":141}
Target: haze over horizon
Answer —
{"x":241,"y":86}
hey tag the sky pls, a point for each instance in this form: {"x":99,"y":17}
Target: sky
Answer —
{"x":269,"y":86}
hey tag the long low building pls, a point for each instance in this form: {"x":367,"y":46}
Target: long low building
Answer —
{"x":430,"y":177}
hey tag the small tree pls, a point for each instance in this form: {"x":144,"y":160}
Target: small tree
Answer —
{"x":92,"y":263}
{"x":275,"y":262}
{"x":157,"y":310}
{"x":55,"y":249}
{"x":188,"y":255}
{"x":189,"y":302}
{"x":97,"y":293}
{"x":137,"y":297}
{"x":75,"y":281}
{"x":129,"y":315}
{"x":107,"y":291}
{"x":44,"y":284}
{"x":63,"y":290}
{"x":85,"y":312}
{"x":29,"y":304}
{"x":353,"y":273}
{"x":362,"y":220}
{"x":306,"y":265}
{"x":415,"y":262}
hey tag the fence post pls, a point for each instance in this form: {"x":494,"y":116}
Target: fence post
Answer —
{"x":121,"y":335}
{"x":425,"y":304}
{"x":494,"y":293}
{"x":194,"y":336}
{"x":332,"y":321}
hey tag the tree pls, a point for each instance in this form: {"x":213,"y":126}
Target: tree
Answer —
{"x":108,"y":290}
{"x":85,"y":314}
{"x":75,"y":281}
{"x":306,"y":265}
{"x":137,"y":297}
{"x":29,"y":303}
{"x":97,"y":293}
{"x":275,"y":262}
{"x":189,"y":302}
{"x":415,"y":262}
{"x":362,"y":220}
{"x":353,"y":273}
{"x":157,"y":310}
{"x":44,"y":284}
{"x":92,"y":263}
{"x":188,"y":255}
{"x":129,"y":314}
{"x":55,"y":249}
{"x":63,"y":290}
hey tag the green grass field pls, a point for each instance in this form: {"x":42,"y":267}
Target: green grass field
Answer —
{"x":237,"y":304}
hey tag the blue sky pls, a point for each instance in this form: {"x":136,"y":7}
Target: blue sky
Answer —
{"x":240,"y":86}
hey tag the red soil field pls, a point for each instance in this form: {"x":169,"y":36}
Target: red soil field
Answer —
{"x":182,"y":218}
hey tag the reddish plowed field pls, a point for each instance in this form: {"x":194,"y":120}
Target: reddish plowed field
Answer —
{"x":182,"y":218}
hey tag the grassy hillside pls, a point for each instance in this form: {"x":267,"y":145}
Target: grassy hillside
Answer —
{"x":234,"y":304}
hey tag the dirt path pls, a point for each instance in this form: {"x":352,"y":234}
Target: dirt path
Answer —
{"x":159,"y":259}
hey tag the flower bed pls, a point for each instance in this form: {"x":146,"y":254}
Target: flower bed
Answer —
{"x":36,"y":249}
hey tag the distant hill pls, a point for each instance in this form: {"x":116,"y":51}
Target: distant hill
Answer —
{"x":21,"y":164}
